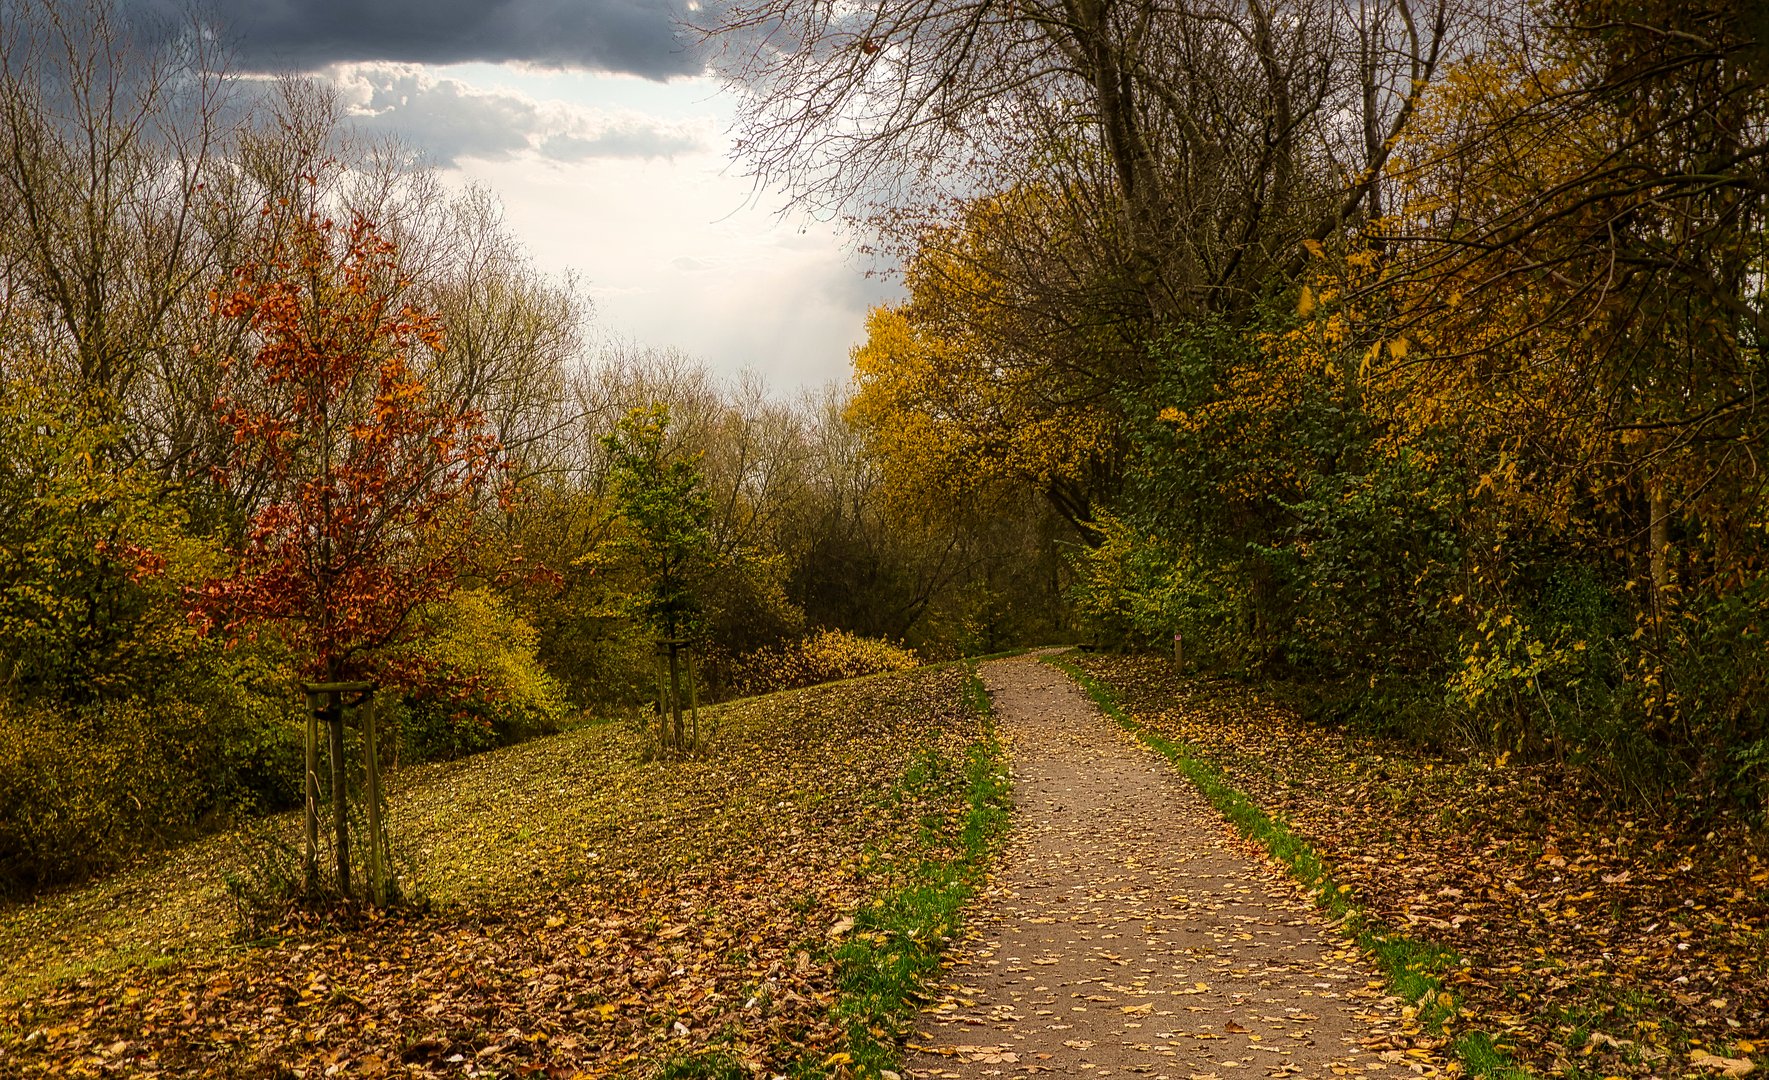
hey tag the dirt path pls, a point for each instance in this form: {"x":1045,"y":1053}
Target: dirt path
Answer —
{"x":1130,"y":930}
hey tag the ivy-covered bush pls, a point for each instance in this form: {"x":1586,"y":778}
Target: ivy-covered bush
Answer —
{"x":121,"y":727}
{"x":86,"y":787}
{"x":1134,"y":590}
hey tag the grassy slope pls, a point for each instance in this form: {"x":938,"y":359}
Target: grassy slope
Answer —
{"x":595,"y":912}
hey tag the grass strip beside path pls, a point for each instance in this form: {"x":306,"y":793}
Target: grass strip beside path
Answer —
{"x":897,"y":941}
{"x":1415,"y":969}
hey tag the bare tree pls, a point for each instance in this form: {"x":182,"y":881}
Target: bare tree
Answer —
{"x":513,"y":334}
{"x":1200,"y":142}
{"x":106,"y":148}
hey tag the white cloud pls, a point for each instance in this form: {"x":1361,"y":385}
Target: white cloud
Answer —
{"x":679,"y":253}
{"x":451,"y":120}
{"x":627,"y":184}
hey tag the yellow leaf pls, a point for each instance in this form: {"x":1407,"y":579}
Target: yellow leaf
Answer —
{"x":1305,"y":302}
{"x":838,"y":1059}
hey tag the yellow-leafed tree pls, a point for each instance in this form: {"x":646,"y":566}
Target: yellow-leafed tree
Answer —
{"x":978,"y":380}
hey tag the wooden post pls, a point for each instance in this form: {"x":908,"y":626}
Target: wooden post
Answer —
{"x":676,"y":693}
{"x":340,"y":799}
{"x":694,"y":697}
{"x":1178,"y":650}
{"x":372,"y":768}
{"x":663,"y":702}
{"x":310,"y":851}
{"x":326,"y":701}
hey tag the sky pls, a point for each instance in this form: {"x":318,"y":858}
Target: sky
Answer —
{"x":609,"y":148}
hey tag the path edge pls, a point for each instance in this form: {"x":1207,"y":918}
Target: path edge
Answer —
{"x":900,"y":941}
{"x":1415,"y":969}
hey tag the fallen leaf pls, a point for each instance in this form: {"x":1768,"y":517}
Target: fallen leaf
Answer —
{"x":1725,"y":1066}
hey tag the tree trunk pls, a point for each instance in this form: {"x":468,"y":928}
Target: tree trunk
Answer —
{"x":1659,"y":547}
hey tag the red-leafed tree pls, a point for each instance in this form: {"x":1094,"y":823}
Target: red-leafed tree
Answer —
{"x":361,"y":484}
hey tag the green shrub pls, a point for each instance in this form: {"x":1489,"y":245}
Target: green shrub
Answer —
{"x":61,"y":813}
{"x":476,"y":681}
{"x":1135,"y":590}
{"x":1702,"y":691}
{"x":85,"y":788}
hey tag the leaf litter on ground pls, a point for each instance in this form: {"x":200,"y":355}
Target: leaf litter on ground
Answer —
{"x":593,"y":913}
{"x":1593,"y":940}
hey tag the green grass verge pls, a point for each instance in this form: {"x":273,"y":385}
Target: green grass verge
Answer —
{"x":1415,"y":969}
{"x":895,"y":946}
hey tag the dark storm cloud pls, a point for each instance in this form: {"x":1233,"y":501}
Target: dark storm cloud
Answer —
{"x":636,"y":37}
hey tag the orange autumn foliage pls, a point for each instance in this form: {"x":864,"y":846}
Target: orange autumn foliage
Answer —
{"x":362,"y":485}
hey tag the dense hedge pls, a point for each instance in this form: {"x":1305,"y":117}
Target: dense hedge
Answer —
{"x":86,"y":788}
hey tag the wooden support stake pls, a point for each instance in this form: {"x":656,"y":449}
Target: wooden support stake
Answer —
{"x":310,"y":851}
{"x":340,"y":807}
{"x":372,"y":767}
{"x":676,"y":695}
{"x":663,"y":704}
{"x":694,"y":697}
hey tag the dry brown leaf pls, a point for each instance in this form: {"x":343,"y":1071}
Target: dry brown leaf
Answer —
{"x":1725,"y":1066}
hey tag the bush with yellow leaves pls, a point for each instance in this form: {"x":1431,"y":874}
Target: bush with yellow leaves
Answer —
{"x":818,"y":657}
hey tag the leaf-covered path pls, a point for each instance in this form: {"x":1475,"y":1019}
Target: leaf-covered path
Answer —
{"x":1130,"y":930}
